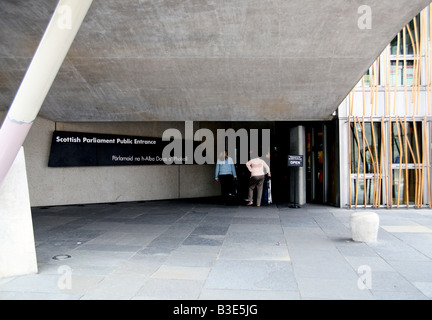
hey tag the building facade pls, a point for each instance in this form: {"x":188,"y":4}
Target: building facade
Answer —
{"x":374,"y":152}
{"x":385,"y":126}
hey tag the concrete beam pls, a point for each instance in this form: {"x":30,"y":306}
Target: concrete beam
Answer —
{"x":49,"y":56}
{"x":243,"y":60}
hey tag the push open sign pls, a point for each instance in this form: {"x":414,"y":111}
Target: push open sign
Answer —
{"x":295,"y":160}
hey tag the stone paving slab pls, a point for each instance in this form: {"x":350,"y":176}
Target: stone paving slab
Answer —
{"x":200,"y":250}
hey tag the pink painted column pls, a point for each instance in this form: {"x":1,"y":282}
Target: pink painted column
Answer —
{"x":52,"y":50}
{"x":12,"y":136}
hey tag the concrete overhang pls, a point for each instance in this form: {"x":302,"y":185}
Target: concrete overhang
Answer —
{"x":202,"y":60}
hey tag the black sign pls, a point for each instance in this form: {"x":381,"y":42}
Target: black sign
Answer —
{"x":295,"y":161}
{"x":91,"y":149}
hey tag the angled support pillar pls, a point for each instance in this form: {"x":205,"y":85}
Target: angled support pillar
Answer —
{"x":49,"y":56}
{"x":17,"y":247}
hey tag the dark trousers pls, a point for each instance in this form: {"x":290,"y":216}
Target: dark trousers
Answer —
{"x":256,"y":182}
{"x":265,"y":189}
{"x":227,"y":186}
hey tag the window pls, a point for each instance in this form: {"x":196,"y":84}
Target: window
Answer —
{"x":408,"y":45}
{"x":406,"y":157}
{"x":408,"y":42}
{"x":365,"y":153}
{"x":365,"y":160}
{"x":397,"y":75}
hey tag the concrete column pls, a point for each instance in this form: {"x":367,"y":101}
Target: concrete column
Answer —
{"x":39,"y":77}
{"x":344,"y":178}
{"x":298,"y":174}
{"x":17,"y":247}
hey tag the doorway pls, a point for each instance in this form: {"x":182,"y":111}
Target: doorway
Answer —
{"x":321,"y":162}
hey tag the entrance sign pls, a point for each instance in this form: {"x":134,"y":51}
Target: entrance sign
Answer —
{"x":90,"y":149}
{"x":295,"y":160}
{"x":95,"y":149}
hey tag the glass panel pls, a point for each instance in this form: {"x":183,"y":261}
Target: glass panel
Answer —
{"x":409,"y":46}
{"x":367,"y":78}
{"x":398,"y":150}
{"x":399,"y":186}
{"x":402,"y":186}
{"x":370,"y":153}
{"x":399,"y":81}
{"x":361,"y":190}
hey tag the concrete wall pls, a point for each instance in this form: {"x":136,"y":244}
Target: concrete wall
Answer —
{"x":60,"y":186}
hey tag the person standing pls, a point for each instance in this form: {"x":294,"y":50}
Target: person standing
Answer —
{"x":256,"y":167}
{"x":225,"y":174}
{"x":266,"y":197}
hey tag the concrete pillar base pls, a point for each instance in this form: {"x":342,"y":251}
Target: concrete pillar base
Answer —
{"x":17,"y":245}
{"x":364,"y":226}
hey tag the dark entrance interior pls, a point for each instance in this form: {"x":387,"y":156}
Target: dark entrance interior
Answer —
{"x":321,"y":162}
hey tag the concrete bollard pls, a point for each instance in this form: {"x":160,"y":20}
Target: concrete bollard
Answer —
{"x":364,"y":226}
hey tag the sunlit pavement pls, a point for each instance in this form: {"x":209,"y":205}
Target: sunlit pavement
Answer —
{"x":201,"y":250}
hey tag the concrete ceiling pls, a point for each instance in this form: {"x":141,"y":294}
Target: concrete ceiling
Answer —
{"x":202,"y":60}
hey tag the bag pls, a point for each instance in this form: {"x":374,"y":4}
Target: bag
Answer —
{"x":269,"y":197}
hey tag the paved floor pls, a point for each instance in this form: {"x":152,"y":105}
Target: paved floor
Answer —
{"x":201,"y":250}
